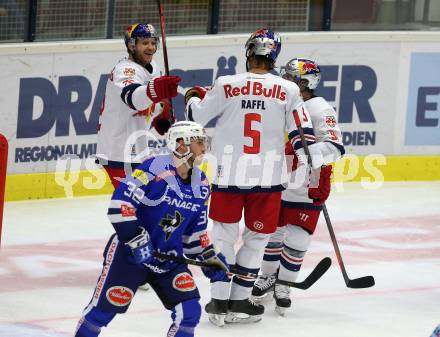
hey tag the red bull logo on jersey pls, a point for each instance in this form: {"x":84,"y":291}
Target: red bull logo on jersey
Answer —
{"x":119,"y":296}
{"x":130,"y":72}
{"x":127,"y":211}
{"x":330,"y":121}
{"x":184,"y":282}
{"x":204,"y":240}
{"x":256,"y":89}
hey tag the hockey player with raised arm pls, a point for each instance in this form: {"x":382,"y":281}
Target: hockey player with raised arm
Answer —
{"x":253,"y":111}
{"x":160,"y":207}
{"x":301,"y":203}
{"x":136,"y":99}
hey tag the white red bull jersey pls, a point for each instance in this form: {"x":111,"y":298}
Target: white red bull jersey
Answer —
{"x":253,"y":112}
{"x":122,"y":131}
{"x":329,"y":137}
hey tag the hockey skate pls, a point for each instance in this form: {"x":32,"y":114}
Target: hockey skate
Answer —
{"x":217,"y":310}
{"x":263,"y":285}
{"x":244,"y":311}
{"x":282,"y":298}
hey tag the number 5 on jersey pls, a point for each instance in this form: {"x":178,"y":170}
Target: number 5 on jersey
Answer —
{"x":253,"y":134}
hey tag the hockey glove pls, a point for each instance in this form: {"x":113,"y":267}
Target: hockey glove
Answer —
{"x":163,"y":87}
{"x":320,"y":194}
{"x":292,"y":158}
{"x":141,"y":248}
{"x":162,"y":122}
{"x":195,"y":92}
{"x":219,"y":269}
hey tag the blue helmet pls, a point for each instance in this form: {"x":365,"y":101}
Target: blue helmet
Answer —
{"x":264,"y":42}
{"x":140,"y":30}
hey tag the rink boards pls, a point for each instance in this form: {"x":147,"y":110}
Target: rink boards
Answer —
{"x":384,"y":87}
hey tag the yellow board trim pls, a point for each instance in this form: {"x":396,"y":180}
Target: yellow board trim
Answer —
{"x":50,"y":185}
{"x":351,"y":168}
{"x":378,"y":168}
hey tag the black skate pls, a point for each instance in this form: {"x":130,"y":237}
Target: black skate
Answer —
{"x":282,"y":298}
{"x":217,"y":310}
{"x":263,"y":285}
{"x":244,"y":311}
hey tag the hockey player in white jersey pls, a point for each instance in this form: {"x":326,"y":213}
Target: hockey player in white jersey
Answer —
{"x":301,"y":204}
{"x":253,"y":110}
{"x":136,"y":99}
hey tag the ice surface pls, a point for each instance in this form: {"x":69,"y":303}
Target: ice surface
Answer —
{"x":51,"y":256}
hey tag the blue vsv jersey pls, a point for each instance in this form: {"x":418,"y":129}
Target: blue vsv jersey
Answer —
{"x":173,"y":212}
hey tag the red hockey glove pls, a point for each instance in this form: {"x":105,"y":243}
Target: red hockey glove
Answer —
{"x":320,"y":194}
{"x":292,"y":158}
{"x":195,"y":92}
{"x":162,"y":122}
{"x":162,"y":87}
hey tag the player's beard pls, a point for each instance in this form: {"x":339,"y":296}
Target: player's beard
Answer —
{"x":141,"y":58}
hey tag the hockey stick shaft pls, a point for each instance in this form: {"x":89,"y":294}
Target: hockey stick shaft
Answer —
{"x":317,"y":272}
{"x":181,"y":259}
{"x":363,"y":282}
{"x":165,"y":52}
{"x":164,"y":43}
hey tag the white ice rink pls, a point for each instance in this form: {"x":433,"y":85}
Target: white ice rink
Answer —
{"x":51,"y":256}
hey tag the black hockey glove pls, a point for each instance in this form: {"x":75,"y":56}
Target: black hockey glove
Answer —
{"x":219,"y":270}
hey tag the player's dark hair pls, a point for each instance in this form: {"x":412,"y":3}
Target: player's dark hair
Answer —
{"x":126,"y":46}
{"x":261,"y":61}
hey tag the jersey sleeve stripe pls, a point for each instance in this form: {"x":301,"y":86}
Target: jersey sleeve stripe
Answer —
{"x":118,"y":218}
{"x":189,"y":114}
{"x":118,"y":203}
{"x":307,"y":132}
{"x":191,"y":245}
{"x":114,"y":211}
{"x":193,"y":236}
{"x":340,"y":147}
{"x":127,"y":93}
{"x":192,"y":252}
{"x":295,"y":138}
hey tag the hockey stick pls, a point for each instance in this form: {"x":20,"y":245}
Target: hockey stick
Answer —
{"x":361,"y":282}
{"x":165,"y":53}
{"x":314,"y":276}
{"x":181,"y":259}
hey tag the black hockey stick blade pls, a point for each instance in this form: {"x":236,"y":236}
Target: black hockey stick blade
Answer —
{"x":314,"y":276}
{"x":181,"y":259}
{"x":361,"y":282}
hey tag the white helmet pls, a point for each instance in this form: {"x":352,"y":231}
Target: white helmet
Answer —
{"x":264,"y":42}
{"x":188,"y":131}
{"x":298,"y":69}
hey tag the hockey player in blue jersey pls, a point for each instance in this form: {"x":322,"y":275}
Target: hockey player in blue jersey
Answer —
{"x":161,"y":207}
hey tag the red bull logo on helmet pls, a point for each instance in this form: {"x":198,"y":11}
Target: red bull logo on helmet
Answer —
{"x":260,"y":32}
{"x":131,"y":28}
{"x":308,"y":68}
